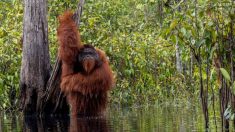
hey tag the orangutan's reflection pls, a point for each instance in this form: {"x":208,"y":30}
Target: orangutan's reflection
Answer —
{"x":93,"y":124}
{"x":55,"y":124}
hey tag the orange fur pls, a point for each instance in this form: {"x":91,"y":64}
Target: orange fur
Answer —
{"x":68,"y":37}
{"x":86,"y":93}
{"x":100,"y":79}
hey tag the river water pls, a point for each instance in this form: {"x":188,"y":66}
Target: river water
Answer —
{"x":164,"y":117}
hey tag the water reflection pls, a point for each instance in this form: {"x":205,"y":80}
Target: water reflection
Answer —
{"x":47,"y":124}
{"x":159,"y":118}
{"x":55,"y":124}
{"x":98,"y":124}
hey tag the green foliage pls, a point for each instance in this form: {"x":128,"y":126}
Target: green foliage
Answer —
{"x":10,"y":52}
{"x":139,"y":37}
{"x":142,"y":60}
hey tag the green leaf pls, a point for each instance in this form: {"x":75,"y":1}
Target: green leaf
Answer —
{"x":1,"y":81}
{"x":178,"y":4}
{"x":200,"y":42}
{"x":225,"y":74}
{"x":212,"y":52}
{"x":173,"y":24}
{"x":214,"y":35}
{"x":140,"y":6}
{"x":227,"y":113}
{"x":212,"y":72}
{"x":183,"y":30}
{"x":233,"y":87}
{"x":210,"y":23}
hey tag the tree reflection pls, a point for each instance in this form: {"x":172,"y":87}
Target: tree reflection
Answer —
{"x":45,"y":124}
{"x":58,"y":124}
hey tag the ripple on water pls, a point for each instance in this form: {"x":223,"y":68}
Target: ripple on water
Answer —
{"x":159,"y":118}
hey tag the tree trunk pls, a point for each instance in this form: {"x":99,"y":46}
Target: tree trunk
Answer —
{"x":191,"y":66}
{"x":35,"y":66}
{"x":178,"y":59}
{"x":54,"y":101}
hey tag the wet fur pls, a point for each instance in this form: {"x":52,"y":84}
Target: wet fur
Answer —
{"x":87,"y":94}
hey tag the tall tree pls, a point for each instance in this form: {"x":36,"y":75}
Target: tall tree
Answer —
{"x":35,"y":68}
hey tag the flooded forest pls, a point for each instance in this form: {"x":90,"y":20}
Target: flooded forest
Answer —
{"x":153,"y":65}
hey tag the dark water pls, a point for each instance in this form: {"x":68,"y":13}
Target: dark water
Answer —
{"x":166,"y":117}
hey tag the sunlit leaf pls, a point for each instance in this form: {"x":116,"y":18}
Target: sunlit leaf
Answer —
{"x":210,"y":23}
{"x":225,"y":74}
{"x":183,"y":30}
{"x":140,"y":6}
{"x":233,"y":87}
{"x":227,"y":113}
{"x":173,"y":23}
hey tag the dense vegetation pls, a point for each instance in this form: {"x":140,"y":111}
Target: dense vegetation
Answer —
{"x":158,"y":48}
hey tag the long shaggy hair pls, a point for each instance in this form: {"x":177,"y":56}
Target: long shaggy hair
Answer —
{"x":87,"y":94}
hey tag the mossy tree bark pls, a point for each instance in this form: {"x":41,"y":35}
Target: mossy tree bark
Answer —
{"x":54,"y":101}
{"x":39,"y":91}
{"x":35,"y":68}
